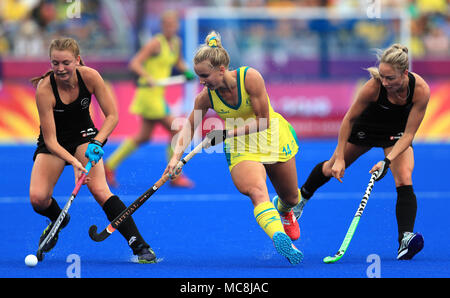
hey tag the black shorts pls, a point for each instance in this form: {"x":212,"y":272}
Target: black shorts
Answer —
{"x":70,"y":145}
{"x":367,"y":138}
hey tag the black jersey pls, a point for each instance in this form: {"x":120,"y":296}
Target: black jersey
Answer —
{"x":382,"y":123}
{"x":72,"y":120}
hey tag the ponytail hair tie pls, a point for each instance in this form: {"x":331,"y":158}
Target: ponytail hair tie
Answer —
{"x":212,"y":42}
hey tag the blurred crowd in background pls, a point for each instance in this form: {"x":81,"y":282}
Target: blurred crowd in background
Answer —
{"x":115,"y":28}
{"x":312,"y":53}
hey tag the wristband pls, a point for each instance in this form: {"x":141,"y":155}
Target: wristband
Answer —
{"x":94,"y":141}
{"x":384,"y":169}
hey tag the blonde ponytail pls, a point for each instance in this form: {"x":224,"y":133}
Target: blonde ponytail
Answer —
{"x":396,"y":55}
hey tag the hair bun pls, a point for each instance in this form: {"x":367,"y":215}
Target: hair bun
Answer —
{"x":400,"y":47}
{"x":212,"y":42}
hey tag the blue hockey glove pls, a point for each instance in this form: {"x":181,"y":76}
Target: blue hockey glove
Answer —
{"x":94,"y":151}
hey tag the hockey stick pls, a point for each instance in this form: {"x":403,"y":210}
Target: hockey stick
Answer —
{"x":62,"y":215}
{"x":351,"y":230}
{"x":175,"y":80}
{"x":125,"y":214}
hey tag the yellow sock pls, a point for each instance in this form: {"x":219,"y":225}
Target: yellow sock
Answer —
{"x":123,"y":151}
{"x":268,"y":218}
{"x":284,"y":207}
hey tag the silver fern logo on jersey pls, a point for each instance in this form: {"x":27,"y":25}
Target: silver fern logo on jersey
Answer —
{"x":85,"y":103}
{"x":361,"y":135}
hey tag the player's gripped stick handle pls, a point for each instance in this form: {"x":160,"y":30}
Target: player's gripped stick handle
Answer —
{"x":351,"y":230}
{"x":175,"y":80}
{"x":63,"y":213}
{"x":125,"y":214}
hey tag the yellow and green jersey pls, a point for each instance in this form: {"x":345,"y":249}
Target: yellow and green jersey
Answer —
{"x":278,"y":143}
{"x":149,"y":102}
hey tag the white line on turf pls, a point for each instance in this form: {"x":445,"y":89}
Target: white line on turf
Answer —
{"x":236,"y":197}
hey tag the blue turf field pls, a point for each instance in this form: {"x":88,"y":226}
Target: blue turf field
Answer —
{"x":210,"y":231}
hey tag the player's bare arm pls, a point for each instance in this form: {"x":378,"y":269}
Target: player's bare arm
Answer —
{"x":97,"y":86}
{"x":368,"y":93}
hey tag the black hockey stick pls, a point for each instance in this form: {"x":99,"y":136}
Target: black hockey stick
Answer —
{"x":125,"y":214}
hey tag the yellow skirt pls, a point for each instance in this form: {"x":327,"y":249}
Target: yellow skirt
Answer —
{"x":279,"y":143}
{"x":149,"y":102}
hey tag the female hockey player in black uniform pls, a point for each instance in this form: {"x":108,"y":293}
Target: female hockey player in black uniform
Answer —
{"x":69,"y":137}
{"x":386,"y":113}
